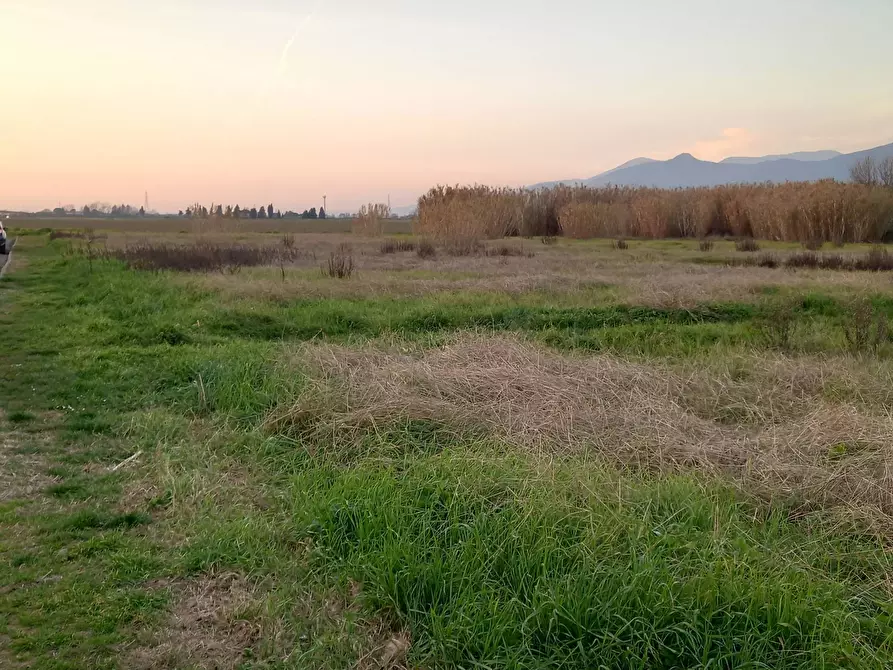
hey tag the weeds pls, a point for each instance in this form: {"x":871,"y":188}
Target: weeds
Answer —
{"x":392,"y":246}
{"x":506,"y":250}
{"x":876,"y":260}
{"x":340,"y":264}
{"x":197,"y":257}
{"x":778,"y":325}
{"x":705,"y":244}
{"x":865,"y":328}
{"x":748,"y":244}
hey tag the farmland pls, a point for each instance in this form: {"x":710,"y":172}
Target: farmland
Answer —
{"x":230,"y":448}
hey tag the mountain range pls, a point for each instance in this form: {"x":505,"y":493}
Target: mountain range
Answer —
{"x":685,"y":170}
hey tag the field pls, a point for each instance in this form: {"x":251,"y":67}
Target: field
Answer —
{"x":325,"y":450}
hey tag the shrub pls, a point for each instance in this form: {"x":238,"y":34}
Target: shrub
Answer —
{"x":340,"y":264}
{"x":621,"y":244}
{"x":747,"y":244}
{"x":549,"y":240}
{"x":813,"y":244}
{"x":426,"y":249}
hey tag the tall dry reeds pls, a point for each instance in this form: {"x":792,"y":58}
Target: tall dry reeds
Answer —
{"x":370,"y":219}
{"x":815,"y":212}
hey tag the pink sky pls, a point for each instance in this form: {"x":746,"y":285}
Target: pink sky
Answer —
{"x":248,"y":103}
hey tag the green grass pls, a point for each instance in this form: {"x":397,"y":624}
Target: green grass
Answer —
{"x":489,"y":558}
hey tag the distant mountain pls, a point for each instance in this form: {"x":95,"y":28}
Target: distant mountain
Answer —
{"x":577,"y":182}
{"x":797,"y":156}
{"x":686,"y":171}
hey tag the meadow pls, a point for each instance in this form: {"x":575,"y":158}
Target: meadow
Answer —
{"x":224,"y":448}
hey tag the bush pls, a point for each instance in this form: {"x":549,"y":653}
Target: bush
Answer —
{"x":748,"y":244}
{"x":623,"y":245}
{"x":813,"y":245}
{"x":426,"y":249}
{"x":549,"y":240}
{"x":340,"y":264}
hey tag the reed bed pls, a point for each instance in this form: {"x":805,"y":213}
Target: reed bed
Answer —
{"x":825,"y":211}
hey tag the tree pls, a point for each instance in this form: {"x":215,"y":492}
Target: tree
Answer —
{"x":864,"y":172}
{"x":278,"y":214}
{"x":180,"y":213}
{"x":204,"y":212}
{"x":270,"y":211}
{"x":229,"y":212}
{"x":188,"y":213}
{"x":885,"y":172}
{"x":313,"y":214}
{"x":305,"y":214}
{"x":262,"y":213}
{"x":142,"y":211}
{"x":322,"y":212}
{"x":219,"y":210}
{"x":59,"y":211}
{"x":253,"y":213}
{"x":86,"y":210}
{"x":237,"y":212}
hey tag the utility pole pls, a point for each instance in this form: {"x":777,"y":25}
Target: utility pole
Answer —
{"x":324,"y":206}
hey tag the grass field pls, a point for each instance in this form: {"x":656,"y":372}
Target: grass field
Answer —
{"x":519,"y":455}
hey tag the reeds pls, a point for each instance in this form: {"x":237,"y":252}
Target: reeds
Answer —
{"x":370,"y":219}
{"x":825,"y":211}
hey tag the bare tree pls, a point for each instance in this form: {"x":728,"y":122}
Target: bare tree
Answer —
{"x":885,"y":172}
{"x":864,"y":172}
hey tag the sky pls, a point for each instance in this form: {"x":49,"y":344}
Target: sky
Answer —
{"x":284,"y":101}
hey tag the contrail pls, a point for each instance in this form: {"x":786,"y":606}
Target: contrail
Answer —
{"x":283,"y":58}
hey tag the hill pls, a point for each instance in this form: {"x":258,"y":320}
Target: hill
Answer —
{"x":687,"y":171}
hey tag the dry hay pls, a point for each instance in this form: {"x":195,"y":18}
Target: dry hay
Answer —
{"x":209,"y":628}
{"x":772,"y":429}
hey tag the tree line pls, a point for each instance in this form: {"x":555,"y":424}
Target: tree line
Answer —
{"x":199,"y":211}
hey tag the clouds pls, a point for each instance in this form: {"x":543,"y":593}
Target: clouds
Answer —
{"x":732,"y":142}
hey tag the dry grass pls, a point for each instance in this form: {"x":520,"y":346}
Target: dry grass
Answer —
{"x":200,"y":256}
{"x":211,"y":627}
{"x":771,"y":429}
